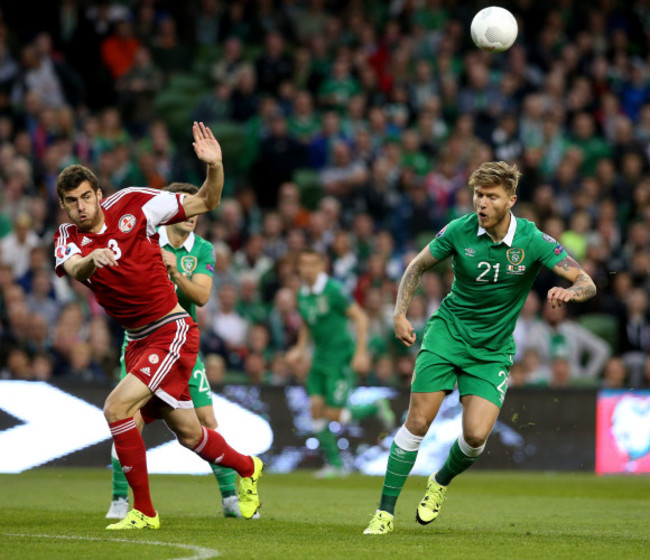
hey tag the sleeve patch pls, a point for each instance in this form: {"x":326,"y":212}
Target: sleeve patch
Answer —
{"x":63,"y":251}
{"x":441,"y":232}
{"x":548,"y":238}
{"x":558,"y":249}
{"x":209,"y":267}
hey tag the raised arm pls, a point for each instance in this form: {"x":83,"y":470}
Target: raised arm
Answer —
{"x":408,"y":285}
{"x":582,"y":286}
{"x":208,"y":151}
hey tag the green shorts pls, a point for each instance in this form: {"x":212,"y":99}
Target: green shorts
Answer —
{"x":200,"y":390}
{"x":451,"y":362}
{"x":332,"y":381}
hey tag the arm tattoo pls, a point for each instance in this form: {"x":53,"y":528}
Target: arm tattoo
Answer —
{"x":411,"y":279}
{"x":583,"y":287}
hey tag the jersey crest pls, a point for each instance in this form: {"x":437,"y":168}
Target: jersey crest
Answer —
{"x":515,"y":255}
{"x":127,"y":223}
{"x":188,"y":263}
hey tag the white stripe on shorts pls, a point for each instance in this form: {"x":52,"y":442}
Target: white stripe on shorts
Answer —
{"x":172,"y":357}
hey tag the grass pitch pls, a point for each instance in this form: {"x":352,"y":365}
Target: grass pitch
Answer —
{"x":59,"y":514}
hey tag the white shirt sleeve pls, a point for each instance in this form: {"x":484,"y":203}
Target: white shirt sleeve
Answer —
{"x":161,"y":209}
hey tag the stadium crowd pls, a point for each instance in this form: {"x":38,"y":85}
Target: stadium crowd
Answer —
{"x":349,"y":126}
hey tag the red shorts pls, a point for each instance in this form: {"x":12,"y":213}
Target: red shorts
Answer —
{"x":162,"y":356}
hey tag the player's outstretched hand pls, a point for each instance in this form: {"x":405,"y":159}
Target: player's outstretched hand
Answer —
{"x":103,"y":257}
{"x":205,"y":145}
{"x":559,"y":296}
{"x":404,"y":331}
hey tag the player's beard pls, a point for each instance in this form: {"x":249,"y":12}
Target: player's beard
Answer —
{"x":89,"y":224}
{"x":492,"y":222}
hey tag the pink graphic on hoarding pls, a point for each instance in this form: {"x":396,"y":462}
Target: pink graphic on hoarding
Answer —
{"x":623,"y":432}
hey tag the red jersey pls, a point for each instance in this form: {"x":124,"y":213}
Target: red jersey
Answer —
{"x":138,"y":290}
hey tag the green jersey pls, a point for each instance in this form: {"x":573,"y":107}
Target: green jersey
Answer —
{"x":323,"y":308}
{"x":194,"y":256}
{"x":491,"y":280}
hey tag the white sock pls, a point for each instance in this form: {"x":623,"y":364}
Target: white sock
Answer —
{"x":406,"y":440}
{"x":467,"y":450}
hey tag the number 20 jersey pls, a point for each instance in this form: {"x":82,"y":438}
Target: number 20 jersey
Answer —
{"x":491,"y":280}
{"x":138,"y":290}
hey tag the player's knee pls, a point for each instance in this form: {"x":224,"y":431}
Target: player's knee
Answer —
{"x":417,"y":425}
{"x":112,"y":410}
{"x":189,"y":438}
{"x":475,"y":438}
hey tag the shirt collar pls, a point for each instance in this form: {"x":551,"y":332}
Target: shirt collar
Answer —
{"x":318,"y":287}
{"x":164,"y":239}
{"x":510,"y":236}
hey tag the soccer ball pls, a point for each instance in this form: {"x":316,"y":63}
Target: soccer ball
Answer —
{"x":494,"y":29}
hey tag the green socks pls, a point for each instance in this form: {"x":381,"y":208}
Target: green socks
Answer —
{"x":461,"y":457}
{"x":120,"y":485}
{"x":327,"y":441}
{"x":402,"y":456}
{"x":400,"y":463}
{"x":226,"y":480}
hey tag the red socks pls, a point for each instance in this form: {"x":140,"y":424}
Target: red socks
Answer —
{"x":214,"y":449}
{"x":132,"y":454}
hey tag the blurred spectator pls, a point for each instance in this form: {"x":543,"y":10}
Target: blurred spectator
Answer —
{"x":120,"y":48}
{"x":16,"y":247}
{"x":274,"y":66}
{"x":564,"y":345}
{"x":136,"y":90}
{"x":228,"y":325}
{"x":226,"y":69}
{"x":615,"y":374}
{"x":40,"y":299}
{"x":280,"y":155}
{"x":251,"y":260}
{"x":284,"y":320}
{"x":168,"y":51}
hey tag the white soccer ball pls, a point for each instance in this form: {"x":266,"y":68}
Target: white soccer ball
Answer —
{"x":494,"y":29}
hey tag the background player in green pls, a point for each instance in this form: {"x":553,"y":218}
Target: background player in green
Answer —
{"x":190,"y":263}
{"x":325,"y":311}
{"x":468,"y":340}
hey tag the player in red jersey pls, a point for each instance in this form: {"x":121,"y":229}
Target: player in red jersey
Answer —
{"x":112,"y":247}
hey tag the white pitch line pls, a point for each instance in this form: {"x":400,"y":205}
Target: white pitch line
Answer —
{"x":201,"y":553}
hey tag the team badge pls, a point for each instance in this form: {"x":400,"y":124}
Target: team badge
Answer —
{"x":62,"y":251}
{"x":441,"y":232}
{"x":127,"y":223}
{"x":153,"y":358}
{"x":188,"y":263}
{"x":548,"y":238}
{"x":515,"y":256}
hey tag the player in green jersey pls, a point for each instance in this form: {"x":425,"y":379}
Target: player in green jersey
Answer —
{"x":325,"y":311}
{"x":468,"y":340}
{"x":190,"y":264}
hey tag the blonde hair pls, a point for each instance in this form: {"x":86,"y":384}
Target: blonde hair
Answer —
{"x":492,"y":173}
